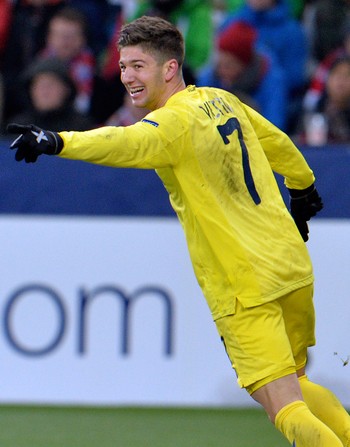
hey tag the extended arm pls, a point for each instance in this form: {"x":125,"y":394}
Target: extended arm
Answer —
{"x":139,"y":146}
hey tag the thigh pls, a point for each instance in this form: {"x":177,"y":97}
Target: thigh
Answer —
{"x":257,"y":344}
{"x":299,"y":319}
{"x":270,"y":341}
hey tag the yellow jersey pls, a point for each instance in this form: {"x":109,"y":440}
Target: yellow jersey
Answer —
{"x":216,"y":157}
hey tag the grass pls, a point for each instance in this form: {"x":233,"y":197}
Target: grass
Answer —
{"x":27,"y":426}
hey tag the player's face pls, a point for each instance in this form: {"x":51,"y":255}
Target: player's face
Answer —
{"x":143,"y":77}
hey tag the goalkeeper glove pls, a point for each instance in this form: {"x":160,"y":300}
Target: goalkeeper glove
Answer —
{"x":304,"y":204}
{"x":33,"y":142}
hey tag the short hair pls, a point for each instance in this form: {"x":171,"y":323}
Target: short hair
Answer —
{"x":75,"y":15}
{"x":156,"y":36}
{"x":338,"y":61}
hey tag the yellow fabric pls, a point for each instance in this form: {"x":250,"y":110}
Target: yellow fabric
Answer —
{"x":250,"y":338}
{"x":242,"y":241}
{"x":326,"y":407}
{"x":302,"y":428}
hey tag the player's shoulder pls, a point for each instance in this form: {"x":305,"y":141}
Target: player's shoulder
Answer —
{"x":166,"y":123}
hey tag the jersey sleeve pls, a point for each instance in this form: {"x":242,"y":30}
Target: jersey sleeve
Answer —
{"x":148,"y":144}
{"x":284,"y":157}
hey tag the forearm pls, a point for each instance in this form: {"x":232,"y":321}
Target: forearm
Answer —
{"x":284,"y":157}
{"x":115,"y":146}
{"x":98,"y":146}
{"x":288,"y":161}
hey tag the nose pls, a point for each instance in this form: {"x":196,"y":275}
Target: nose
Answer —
{"x":127,"y":75}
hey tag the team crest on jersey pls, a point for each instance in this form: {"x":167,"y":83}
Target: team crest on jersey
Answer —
{"x":153,"y":123}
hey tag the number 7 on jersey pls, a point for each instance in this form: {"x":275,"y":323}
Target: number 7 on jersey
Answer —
{"x":227,"y":129}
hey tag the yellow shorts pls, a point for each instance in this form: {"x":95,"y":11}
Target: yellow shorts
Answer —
{"x":269,"y":341}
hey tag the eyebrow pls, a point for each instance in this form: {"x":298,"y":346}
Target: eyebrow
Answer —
{"x":133,"y":61}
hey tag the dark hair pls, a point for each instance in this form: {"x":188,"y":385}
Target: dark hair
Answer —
{"x":155,"y":35}
{"x":339,"y":60}
{"x":50,"y":65}
{"x":74,"y":15}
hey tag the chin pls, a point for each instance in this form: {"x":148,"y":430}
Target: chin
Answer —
{"x":139,"y":104}
{"x":136,"y":101}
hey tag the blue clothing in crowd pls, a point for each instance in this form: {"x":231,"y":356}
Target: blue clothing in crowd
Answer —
{"x":281,"y":34}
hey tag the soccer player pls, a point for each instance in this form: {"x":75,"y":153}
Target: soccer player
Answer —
{"x":216,"y":158}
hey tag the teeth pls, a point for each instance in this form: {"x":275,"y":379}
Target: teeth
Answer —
{"x":136,"y":90}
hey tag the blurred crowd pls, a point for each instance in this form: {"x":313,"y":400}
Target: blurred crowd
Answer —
{"x":288,"y":59}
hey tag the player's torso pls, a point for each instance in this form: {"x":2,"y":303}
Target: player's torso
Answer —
{"x":227,"y":199}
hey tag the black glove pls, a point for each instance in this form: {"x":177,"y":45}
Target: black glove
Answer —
{"x":33,"y":142}
{"x":304,"y":204}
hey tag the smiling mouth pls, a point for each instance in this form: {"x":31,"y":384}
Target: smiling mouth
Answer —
{"x":135,"y":91}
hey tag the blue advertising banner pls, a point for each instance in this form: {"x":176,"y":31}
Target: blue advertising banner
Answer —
{"x":57,"y":186}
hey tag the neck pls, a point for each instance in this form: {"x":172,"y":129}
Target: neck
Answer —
{"x":173,"y":88}
{"x":177,"y":87}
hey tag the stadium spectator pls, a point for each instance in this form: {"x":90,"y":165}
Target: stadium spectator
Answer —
{"x":329,"y":120}
{"x":318,"y":80}
{"x":279,"y":33}
{"x":27,"y":31}
{"x":51,"y":93}
{"x":324,"y":22}
{"x":67,"y":40}
{"x":243,"y":70}
{"x":26,"y":37}
{"x":282,"y":35}
{"x":97,"y":14}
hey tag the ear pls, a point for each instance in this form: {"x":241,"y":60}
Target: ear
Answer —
{"x":171,"y":68}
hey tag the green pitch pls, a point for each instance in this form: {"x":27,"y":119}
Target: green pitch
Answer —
{"x":23,"y":426}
